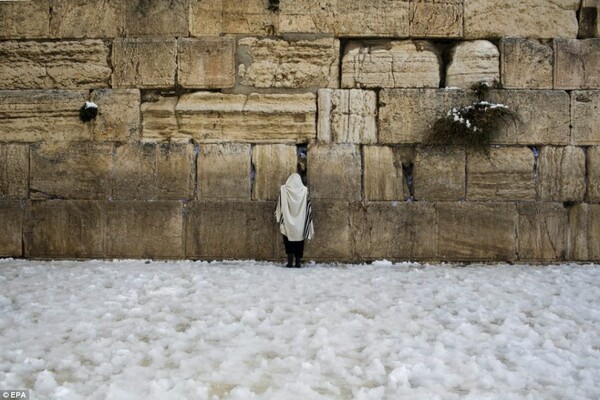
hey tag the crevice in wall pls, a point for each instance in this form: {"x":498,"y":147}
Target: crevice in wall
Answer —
{"x":273,"y":6}
{"x":302,"y":161}
{"x":407,"y":170}
{"x":195,"y":166}
{"x":362,"y":174}
{"x":585,"y":172}
{"x":252,"y":170}
{"x":536,"y":154}
{"x":444,"y":48}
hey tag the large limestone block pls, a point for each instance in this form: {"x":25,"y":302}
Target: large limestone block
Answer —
{"x":398,"y":231}
{"x":157,"y":17}
{"x":408,"y":115}
{"x":87,"y":19}
{"x":24,"y":19}
{"x":383,"y":174}
{"x":542,"y":19}
{"x":118,"y":117}
{"x":347,"y":116}
{"x":224,"y":171}
{"x":589,"y":19}
{"x":585,"y":117}
{"x":543,"y":231}
{"x":71,"y":170}
{"x":333,"y":238}
{"x":64,"y":229}
{"x":439,"y":174}
{"x":144,"y":229}
{"x":230,"y":229}
{"x":431,"y":18}
{"x":505,"y":173}
{"x":273,"y":163}
{"x":561,"y":174}
{"x":54,"y":65}
{"x":473,"y":62}
{"x":477,"y":231}
{"x":14,"y":171}
{"x":257,"y":118}
{"x":334,"y":171}
{"x":144,"y":62}
{"x":577,"y":64}
{"x":584,"y":231}
{"x":526,"y":64}
{"x":593,"y":174}
{"x":34,"y":115}
{"x":176,"y":175}
{"x":543,"y":117}
{"x":159,"y":122}
{"x":391,"y":64}
{"x":214,"y":17}
{"x":278,"y":63}
{"x":11,"y":234}
{"x":206,"y":63}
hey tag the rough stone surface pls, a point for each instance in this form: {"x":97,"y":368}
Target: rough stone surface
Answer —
{"x":577,"y":64}
{"x":383,"y":175}
{"x":206,"y":63}
{"x":584,"y":231}
{"x":144,"y":62}
{"x":585,"y":117}
{"x":476,"y":231}
{"x":14,"y":171}
{"x":144,"y":230}
{"x":24,"y":19}
{"x":277,"y":63}
{"x":224,"y":171}
{"x":157,"y":17}
{"x":589,"y":19}
{"x":175,"y":170}
{"x":11,"y":215}
{"x":71,"y":170}
{"x":257,"y":118}
{"x":214,"y":17}
{"x":118,"y":115}
{"x":159,"y":122}
{"x":273,"y":163}
{"x":34,"y":115}
{"x":439,"y":174}
{"x":431,"y":18}
{"x":404,"y":231}
{"x":561,"y":174}
{"x":54,"y":65}
{"x":135,"y":172}
{"x":506,"y":173}
{"x":543,"y":231}
{"x":528,"y":18}
{"x":87,"y":19}
{"x":593,"y":174}
{"x":334,"y":171}
{"x":526,"y":64}
{"x":333,"y":239}
{"x":391,"y":64}
{"x":473,"y":62}
{"x":347,"y":116}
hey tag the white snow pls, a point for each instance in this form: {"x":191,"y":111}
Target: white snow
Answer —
{"x":254,"y":330}
{"x":89,"y":104}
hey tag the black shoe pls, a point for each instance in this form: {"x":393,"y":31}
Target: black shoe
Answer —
{"x":290,"y":261}
{"x":297,"y":263}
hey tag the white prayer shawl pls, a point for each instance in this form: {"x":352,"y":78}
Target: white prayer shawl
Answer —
{"x":294,"y":212}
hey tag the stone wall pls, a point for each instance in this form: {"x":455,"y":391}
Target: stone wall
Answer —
{"x":204,"y":106}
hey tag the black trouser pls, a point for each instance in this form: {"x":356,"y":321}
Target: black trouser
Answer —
{"x":295,"y":248}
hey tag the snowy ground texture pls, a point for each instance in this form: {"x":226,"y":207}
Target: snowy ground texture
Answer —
{"x":253,"y":330}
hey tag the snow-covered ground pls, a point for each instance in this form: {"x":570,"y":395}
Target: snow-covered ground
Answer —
{"x":253,"y":330}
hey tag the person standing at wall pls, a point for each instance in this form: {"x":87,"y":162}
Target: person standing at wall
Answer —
{"x":294,"y":215}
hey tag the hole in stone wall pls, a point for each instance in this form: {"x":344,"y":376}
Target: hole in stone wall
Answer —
{"x":252,"y":171}
{"x":301,"y":164}
{"x":407,"y":170}
{"x":273,"y":6}
{"x":536,"y":154}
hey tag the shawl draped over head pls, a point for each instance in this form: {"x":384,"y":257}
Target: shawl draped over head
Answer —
{"x":294,"y":212}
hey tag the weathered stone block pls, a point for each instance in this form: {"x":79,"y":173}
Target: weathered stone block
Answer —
{"x":561,"y":174}
{"x":206,"y":63}
{"x":257,"y":118}
{"x":334,"y":171}
{"x":505,"y":173}
{"x":157,"y":17}
{"x":176,"y":175}
{"x":87,"y":19}
{"x":593,"y":174}
{"x":34,"y":115}
{"x":144,"y":62}
{"x":585,"y":117}
{"x":214,"y":17}
{"x":400,"y":231}
{"x":476,"y":231}
{"x":224,"y":171}
{"x":277,"y":63}
{"x":64,"y":229}
{"x":577,"y":64}
{"x":54,"y":65}
{"x":159,"y":122}
{"x":144,"y":229}
{"x":333,"y":238}
{"x":383,"y":175}
{"x":11,"y":234}
{"x":439,"y":174}
{"x":543,"y":231}
{"x":589,"y":19}
{"x":473,"y":62}
{"x":541,"y":19}
{"x":71,"y":170}
{"x":408,"y":115}
{"x":230,"y":229}
{"x":24,"y":19}
{"x":526,"y":64}
{"x":347,"y":116}
{"x":273,"y":163}
{"x":206,"y":18}
{"x":584,"y":231}
{"x":118,"y":117}
{"x":430,"y":18}
{"x":14,"y":171}
{"x":390,"y":64}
